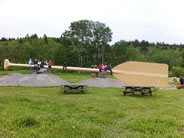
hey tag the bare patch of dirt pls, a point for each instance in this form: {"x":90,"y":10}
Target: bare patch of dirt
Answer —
{"x":41,"y":80}
{"x":181,"y":131}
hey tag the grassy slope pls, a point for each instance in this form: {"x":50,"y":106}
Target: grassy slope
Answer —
{"x":101,"y":112}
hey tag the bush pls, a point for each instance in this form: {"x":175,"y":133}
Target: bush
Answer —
{"x":177,"y":72}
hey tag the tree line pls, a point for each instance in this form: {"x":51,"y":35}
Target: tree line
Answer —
{"x":86,"y":43}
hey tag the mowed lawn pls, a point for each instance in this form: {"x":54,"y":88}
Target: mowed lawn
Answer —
{"x":100,"y":112}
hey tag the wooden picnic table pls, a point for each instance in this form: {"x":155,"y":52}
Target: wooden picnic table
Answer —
{"x":74,"y":87}
{"x":141,"y":89}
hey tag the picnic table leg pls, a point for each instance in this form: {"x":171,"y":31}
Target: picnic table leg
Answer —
{"x":124,"y":93}
{"x":64,"y":91}
{"x":150,"y":92}
{"x":82,"y":89}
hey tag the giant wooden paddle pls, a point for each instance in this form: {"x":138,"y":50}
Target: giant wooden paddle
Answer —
{"x":131,"y":73}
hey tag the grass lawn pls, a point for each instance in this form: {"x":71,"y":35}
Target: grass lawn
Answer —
{"x":100,"y":112}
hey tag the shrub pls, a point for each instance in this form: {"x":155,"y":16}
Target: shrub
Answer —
{"x":177,"y":72}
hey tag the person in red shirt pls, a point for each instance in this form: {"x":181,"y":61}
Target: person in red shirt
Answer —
{"x":100,"y":68}
{"x":49,"y":65}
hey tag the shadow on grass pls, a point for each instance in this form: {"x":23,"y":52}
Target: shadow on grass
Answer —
{"x":142,"y":96}
{"x":73,"y":93}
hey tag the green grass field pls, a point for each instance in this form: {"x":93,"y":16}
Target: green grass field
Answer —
{"x":100,"y":112}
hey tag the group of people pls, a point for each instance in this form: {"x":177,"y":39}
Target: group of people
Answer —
{"x":40,"y":63}
{"x":104,"y":67}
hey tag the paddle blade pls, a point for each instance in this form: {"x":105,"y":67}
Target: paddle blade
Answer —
{"x":142,"y":74}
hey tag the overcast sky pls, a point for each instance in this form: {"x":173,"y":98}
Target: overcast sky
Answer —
{"x":151,"y":20}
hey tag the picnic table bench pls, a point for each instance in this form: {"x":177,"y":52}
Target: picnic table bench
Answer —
{"x":141,"y":89}
{"x":73,"y":87}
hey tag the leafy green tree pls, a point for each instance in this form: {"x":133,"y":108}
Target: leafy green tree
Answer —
{"x":123,"y":52}
{"x":177,"y":71}
{"x":45,"y":38}
{"x":27,"y":36}
{"x":90,"y":38}
{"x":171,"y":57}
{"x":66,"y":52}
